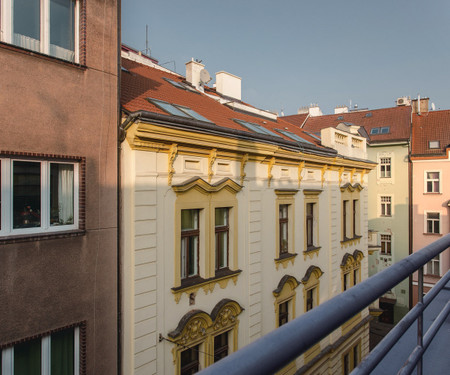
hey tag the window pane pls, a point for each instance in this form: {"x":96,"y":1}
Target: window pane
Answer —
{"x":26,"y":24}
{"x":189,"y":361}
{"x":220,"y":346}
{"x":61,"y":194}
{"x":193,"y":253}
{"x":62,"y":353}
{"x":189,"y":219}
{"x":62,"y":29}
{"x":221,"y":216}
{"x":26,"y":194}
{"x":27,"y":358}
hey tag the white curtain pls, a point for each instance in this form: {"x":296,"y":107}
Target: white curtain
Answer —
{"x":65,"y":194}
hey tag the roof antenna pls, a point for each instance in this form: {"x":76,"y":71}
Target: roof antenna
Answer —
{"x":147,"y":50}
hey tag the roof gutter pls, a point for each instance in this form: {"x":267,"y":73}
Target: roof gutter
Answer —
{"x":205,"y":127}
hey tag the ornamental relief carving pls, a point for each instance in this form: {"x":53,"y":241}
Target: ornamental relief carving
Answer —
{"x":225,"y":318}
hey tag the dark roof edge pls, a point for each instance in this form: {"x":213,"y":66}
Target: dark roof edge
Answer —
{"x":201,"y":126}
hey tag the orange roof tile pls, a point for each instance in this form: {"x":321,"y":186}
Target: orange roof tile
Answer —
{"x":141,"y":82}
{"x":397,"y":118}
{"x":431,"y":126}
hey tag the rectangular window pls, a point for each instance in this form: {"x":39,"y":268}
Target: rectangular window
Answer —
{"x":344,"y":218}
{"x":432,"y":267}
{"x":58,"y":353}
{"x":190,"y":238}
{"x":222,"y":230}
{"x":351,"y":359}
{"x":433,"y":222}
{"x":284,"y":222}
{"x":354,"y":216}
{"x":356,"y":276}
{"x":385,"y":167}
{"x":310,"y":225}
{"x":346,"y":282}
{"x":310,"y":299}
{"x":46,"y":26}
{"x":220,"y":346}
{"x":386,"y":244}
{"x":44,"y":196}
{"x":385,"y":206}
{"x":190,"y":363}
{"x":283,"y":313}
{"x":433,"y":144}
{"x":433,"y":182}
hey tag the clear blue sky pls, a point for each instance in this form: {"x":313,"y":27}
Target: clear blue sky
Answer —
{"x":292,"y":53}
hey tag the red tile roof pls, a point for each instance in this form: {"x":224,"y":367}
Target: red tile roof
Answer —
{"x":397,"y":118}
{"x":431,"y":126}
{"x":141,"y":82}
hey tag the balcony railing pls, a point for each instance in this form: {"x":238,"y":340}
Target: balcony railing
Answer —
{"x":281,"y":346}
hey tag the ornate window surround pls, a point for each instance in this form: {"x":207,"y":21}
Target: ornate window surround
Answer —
{"x":285,"y":292}
{"x":199,"y":328}
{"x":351,"y":263}
{"x":285,"y":196}
{"x":351,"y":193}
{"x":196,"y":193}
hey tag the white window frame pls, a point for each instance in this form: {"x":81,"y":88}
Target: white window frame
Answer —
{"x":8,"y":355}
{"x":432,"y":262}
{"x":385,"y":164}
{"x":381,"y":203}
{"x":425,"y":227}
{"x":6,"y":198}
{"x":380,"y":156}
{"x":426,"y":180}
{"x":390,"y":241}
{"x":6,"y":22}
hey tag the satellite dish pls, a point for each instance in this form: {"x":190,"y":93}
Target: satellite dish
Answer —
{"x":433,"y":107}
{"x":204,"y":76}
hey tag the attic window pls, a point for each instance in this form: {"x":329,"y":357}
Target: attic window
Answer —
{"x":433,"y":144}
{"x":255,"y":128}
{"x":382,"y":130}
{"x":178,"y":110}
{"x":368,"y":114}
{"x":340,"y":117}
{"x":181,"y":85}
{"x":293,"y":136}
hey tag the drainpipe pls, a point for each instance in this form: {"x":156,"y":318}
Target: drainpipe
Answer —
{"x":410,"y":204}
{"x":118,"y":200}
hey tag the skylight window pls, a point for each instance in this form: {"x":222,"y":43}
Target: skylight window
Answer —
{"x":433,"y":144}
{"x":192,"y":113}
{"x":382,"y":130}
{"x":256,"y":128}
{"x":178,"y":110}
{"x":340,"y":117}
{"x":293,"y":136}
{"x":369,"y":114}
{"x":375,"y":131}
{"x":180,"y":85}
{"x":314,"y":136}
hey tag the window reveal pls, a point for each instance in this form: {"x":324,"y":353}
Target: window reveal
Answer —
{"x":189,"y":243}
{"x":284,"y":221}
{"x":222,"y":230}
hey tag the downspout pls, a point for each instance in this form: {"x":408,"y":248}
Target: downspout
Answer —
{"x":118,"y":191}
{"x":410,"y":206}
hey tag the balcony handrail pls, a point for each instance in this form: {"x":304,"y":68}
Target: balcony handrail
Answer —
{"x":278,"y":348}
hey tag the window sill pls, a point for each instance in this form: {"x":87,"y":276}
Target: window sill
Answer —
{"x":350,"y":241}
{"x":41,"y":236}
{"x":28,"y":52}
{"x":432,"y":234}
{"x":311,"y":251}
{"x":192,"y":285}
{"x":284,"y":259}
{"x":432,"y":193}
{"x":386,"y":216}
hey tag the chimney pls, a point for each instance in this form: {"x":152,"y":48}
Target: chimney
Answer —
{"x":228,"y":84}
{"x":193,"y":69}
{"x":314,"y":110}
{"x":423,"y":107}
{"x":340,"y":109}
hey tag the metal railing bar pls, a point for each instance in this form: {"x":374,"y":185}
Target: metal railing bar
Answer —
{"x":419,"y":351}
{"x":279,"y":347}
{"x":383,"y":347}
{"x":420,"y":320}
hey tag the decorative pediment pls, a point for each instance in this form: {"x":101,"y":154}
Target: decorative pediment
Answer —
{"x":197,"y":324}
{"x":205,"y":187}
{"x":350,"y":260}
{"x":286,"y":280}
{"x":351,"y":188}
{"x":313,"y":271}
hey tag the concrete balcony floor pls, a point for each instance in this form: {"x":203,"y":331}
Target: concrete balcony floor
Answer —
{"x":436,"y":360}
